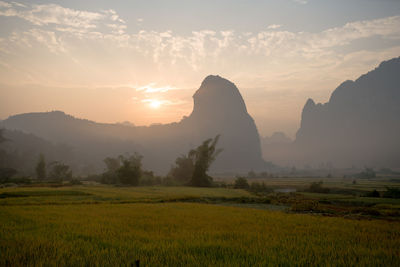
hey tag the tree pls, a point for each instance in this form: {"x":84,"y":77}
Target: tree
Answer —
{"x":373,"y":193}
{"x":124,"y":170}
{"x":251,"y":174}
{"x":316,"y":187}
{"x":368,"y":173}
{"x":183,"y":170}
{"x":41,"y":168}
{"x":112,"y":164}
{"x":392,"y":192}
{"x":3,"y":153}
{"x":110,"y":175}
{"x":2,"y":138}
{"x":130,"y":170}
{"x":6,"y":174}
{"x":241,"y":182}
{"x":203,"y":156}
{"x":60,"y":171}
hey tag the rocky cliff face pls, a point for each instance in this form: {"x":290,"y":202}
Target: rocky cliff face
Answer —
{"x":218,"y":109}
{"x":359,"y":125}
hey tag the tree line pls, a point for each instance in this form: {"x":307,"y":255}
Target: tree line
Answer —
{"x":189,"y":169}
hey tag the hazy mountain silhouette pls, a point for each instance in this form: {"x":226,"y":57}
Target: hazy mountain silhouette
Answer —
{"x":22,"y":152}
{"x":218,"y":109}
{"x":276,"y":138}
{"x":360,"y":125}
{"x":276,"y":147}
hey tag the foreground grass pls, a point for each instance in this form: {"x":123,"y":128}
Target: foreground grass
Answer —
{"x":182,"y":234}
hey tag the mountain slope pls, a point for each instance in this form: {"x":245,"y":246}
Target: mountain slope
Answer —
{"x":360,"y":124}
{"x":218,"y":109}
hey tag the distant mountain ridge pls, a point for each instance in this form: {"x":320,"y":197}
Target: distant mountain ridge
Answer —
{"x":359,"y":125}
{"x":218,"y":109}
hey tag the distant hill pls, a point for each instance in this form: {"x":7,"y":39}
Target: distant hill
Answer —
{"x":276,"y":147}
{"x":21,"y":152}
{"x":218,"y":109}
{"x":360,"y":125}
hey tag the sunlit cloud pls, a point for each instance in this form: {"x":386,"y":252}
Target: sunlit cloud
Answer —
{"x":157,"y":103}
{"x":152,"y":88}
{"x":197,"y":50}
{"x":53,"y":14}
{"x":274,"y":26}
{"x":153,"y":103}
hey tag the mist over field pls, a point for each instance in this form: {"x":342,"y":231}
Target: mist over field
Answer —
{"x":200,"y":133}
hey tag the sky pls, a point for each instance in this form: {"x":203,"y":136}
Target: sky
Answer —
{"x":141,"y":61}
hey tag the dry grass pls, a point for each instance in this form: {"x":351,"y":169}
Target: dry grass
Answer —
{"x":186,"y":234}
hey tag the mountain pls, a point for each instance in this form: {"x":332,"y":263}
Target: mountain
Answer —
{"x":276,"y":138}
{"x":21,"y":152}
{"x":218,"y":109}
{"x":359,"y":125}
{"x":276,"y":147}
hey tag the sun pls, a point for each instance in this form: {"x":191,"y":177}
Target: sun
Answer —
{"x":154,"y":103}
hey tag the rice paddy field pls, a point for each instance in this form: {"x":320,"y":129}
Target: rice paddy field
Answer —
{"x":169,"y":226}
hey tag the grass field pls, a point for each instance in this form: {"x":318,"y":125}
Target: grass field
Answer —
{"x":111,"y":226}
{"x":338,"y":183}
{"x":108,"y":194}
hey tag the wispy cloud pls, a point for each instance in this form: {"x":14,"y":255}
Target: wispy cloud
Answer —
{"x":303,"y":2}
{"x":153,"y":88}
{"x":53,"y":14}
{"x":101,"y":41}
{"x":274,"y":26}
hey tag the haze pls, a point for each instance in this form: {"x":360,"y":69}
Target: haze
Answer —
{"x":141,"y":61}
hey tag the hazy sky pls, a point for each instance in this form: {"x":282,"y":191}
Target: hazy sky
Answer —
{"x":141,"y":61}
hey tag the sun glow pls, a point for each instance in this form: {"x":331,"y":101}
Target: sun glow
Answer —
{"x":154,"y":103}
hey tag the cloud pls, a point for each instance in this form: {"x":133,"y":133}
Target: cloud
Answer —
{"x":302,"y":2}
{"x":152,"y":88}
{"x":100,"y":42}
{"x":274,"y":26}
{"x":200,"y":48}
{"x":53,"y":14}
{"x":162,"y":102}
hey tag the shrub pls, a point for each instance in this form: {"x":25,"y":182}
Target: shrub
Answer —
{"x":316,"y":187}
{"x":60,"y":171}
{"x":259,"y":188}
{"x":392,"y":192}
{"x":241,"y":183}
{"x":373,"y":193}
{"x":368,"y":173}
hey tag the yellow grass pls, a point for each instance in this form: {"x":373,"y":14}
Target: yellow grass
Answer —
{"x":186,"y":234}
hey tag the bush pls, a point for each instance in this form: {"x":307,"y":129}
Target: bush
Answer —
{"x":241,"y":183}
{"x":60,"y":172}
{"x":182,"y":172}
{"x":373,"y":193}
{"x":75,"y":182}
{"x":6,"y":174}
{"x":368,"y":173}
{"x":203,"y":156}
{"x":392,"y":192}
{"x":123,"y":170}
{"x":148,"y":178}
{"x":316,"y":187}
{"x":130,"y":171}
{"x":259,"y":188}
